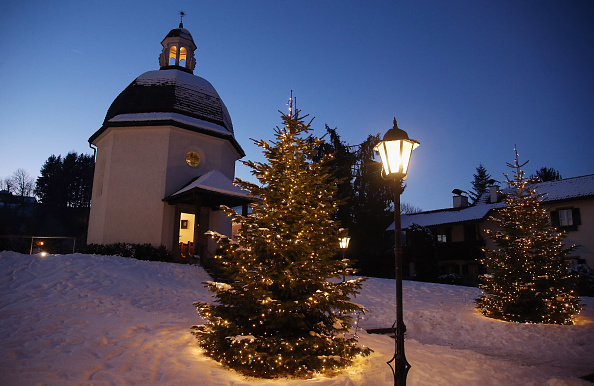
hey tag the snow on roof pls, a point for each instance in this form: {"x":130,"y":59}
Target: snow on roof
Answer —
{"x":214,"y":181}
{"x":171,"y":90}
{"x":141,"y":117}
{"x":448,"y":216}
{"x":171,"y":76}
{"x":569,"y":188}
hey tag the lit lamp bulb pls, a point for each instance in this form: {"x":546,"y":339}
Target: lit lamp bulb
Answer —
{"x":344,"y":242}
{"x":395,"y":151}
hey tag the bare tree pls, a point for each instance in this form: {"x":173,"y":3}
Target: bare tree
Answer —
{"x":22,"y":183}
{"x":406,"y":208}
{"x":6,"y":184}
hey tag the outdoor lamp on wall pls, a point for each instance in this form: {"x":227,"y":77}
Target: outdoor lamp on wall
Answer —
{"x":395,"y":151}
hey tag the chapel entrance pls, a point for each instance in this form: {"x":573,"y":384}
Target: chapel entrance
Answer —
{"x":197,"y":211}
{"x":187,"y":226}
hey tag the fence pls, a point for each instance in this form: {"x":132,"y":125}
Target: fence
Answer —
{"x":38,"y":244}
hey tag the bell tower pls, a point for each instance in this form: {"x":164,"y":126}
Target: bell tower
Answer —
{"x":178,"y":50}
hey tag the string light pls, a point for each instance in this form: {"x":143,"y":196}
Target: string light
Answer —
{"x":278,"y":315}
{"x":528,"y":282}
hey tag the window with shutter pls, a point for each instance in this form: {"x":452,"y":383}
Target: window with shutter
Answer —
{"x":555,"y":218}
{"x":577,"y":220}
{"x":566,"y":219}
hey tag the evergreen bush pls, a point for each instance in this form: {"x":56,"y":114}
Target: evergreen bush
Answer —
{"x":136,"y":251}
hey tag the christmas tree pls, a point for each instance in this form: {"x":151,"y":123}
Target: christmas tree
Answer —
{"x":528,"y":281}
{"x":284,"y":310}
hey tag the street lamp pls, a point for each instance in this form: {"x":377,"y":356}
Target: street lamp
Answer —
{"x":344,"y":244}
{"x":395,"y":151}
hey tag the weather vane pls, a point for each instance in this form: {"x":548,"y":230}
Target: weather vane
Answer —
{"x":181,"y":22}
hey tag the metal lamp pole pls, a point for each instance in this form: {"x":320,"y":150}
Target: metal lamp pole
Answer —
{"x":401,"y":365}
{"x":395,"y":151}
{"x":344,"y":244}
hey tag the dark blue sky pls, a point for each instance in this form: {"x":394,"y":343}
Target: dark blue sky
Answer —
{"x":468,"y":79}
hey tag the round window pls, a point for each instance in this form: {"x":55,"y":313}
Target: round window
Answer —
{"x":192,"y":158}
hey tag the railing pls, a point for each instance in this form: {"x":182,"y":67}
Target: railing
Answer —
{"x":38,"y":243}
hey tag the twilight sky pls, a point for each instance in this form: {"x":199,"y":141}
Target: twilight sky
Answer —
{"x":468,"y":79}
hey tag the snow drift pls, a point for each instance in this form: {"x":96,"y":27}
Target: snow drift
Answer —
{"x":102,"y":320}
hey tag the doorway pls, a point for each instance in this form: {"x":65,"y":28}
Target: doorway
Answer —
{"x":186,"y":234}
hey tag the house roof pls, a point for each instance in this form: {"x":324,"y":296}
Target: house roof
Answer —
{"x":214,"y":188}
{"x":180,"y":32}
{"x":159,"y":95}
{"x":553,"y":191}
{"x":448,"y":216}
{"x":567,"y":189}
{"x":172,"y":90}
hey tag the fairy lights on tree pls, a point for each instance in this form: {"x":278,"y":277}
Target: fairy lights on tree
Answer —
{"x":283,"y":310}
{"x":528,"y":282}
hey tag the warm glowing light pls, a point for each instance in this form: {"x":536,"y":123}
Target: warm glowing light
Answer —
{"x":395,"y":151}
{"x":344,"y":242}
{"x":395,"y":156}
{"x":182,"y":56}
{"x":172,"y":55}
{"x":192,"y":159}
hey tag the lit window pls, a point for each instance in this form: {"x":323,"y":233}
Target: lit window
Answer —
{"x":442,"y":236}
{"x":182,"y":56}
{"x":192,"y":158}
{"x":172,"y":55}
{"x":565,"y":217}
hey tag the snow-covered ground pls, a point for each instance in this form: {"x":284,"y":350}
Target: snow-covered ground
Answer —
{"x":82,"y":319}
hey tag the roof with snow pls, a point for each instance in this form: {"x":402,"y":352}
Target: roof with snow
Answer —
{"x":215,"y":189}
{"x":172,"y":91}
{"x":448,"y":216}
{"x":552,"y":191}
{"x":171,"y":96}
{"x":567,"y":189}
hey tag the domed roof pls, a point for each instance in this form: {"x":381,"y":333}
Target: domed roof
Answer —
{"x":180,"y":32}
{"x":172,"y":91}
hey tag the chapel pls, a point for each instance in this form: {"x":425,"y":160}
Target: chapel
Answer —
{"x":165,"y":159}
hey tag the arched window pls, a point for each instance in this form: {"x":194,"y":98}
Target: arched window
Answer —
{"x":172,"y":55}
{"x":182,"y":56}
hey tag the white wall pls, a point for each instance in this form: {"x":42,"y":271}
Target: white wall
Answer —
{"x":137,"y":167}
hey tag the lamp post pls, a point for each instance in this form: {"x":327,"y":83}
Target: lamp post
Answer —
{"x":344,"y":244}
{"x":395,"y":151}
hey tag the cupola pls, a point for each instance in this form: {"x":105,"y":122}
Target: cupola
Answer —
{"x":178,"y":50}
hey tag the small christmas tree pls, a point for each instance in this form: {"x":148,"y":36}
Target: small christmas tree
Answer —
{"x":528,"y":282}
{"x":284,"y":310}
